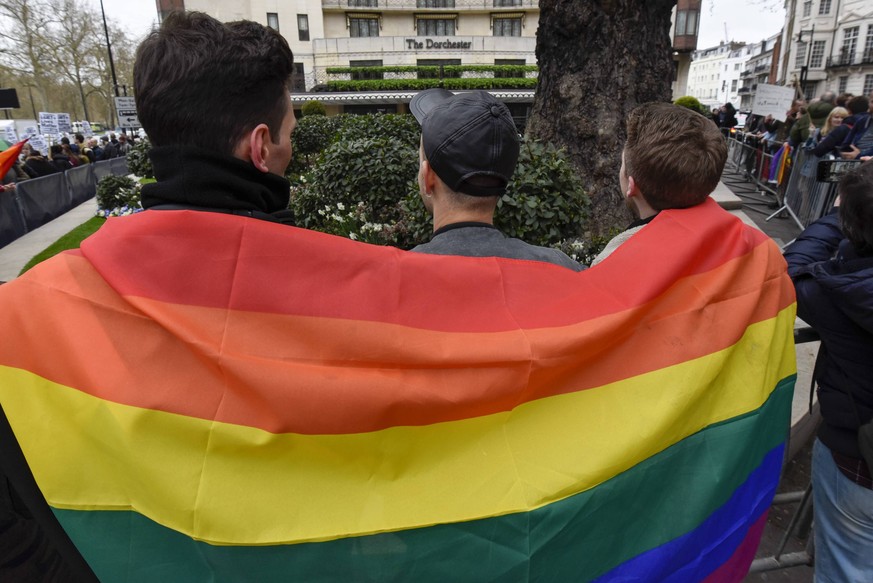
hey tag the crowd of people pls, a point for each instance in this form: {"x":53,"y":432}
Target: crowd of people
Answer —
{"x":65,"y":155}
{"x":672,"y":160}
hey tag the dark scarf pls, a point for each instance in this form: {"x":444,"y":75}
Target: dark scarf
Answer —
{"x":191,"y":177}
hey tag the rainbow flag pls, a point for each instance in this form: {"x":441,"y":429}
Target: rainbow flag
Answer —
{"x":208,"y":397}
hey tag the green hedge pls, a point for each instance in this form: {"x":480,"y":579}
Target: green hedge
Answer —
{"x":418,"y":84}
{"x":363,"y":185}
{"x":516,"y":70}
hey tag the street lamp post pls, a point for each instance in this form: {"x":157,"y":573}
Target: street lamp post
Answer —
{"x":109,"y":48}
{"x":804,"y":70}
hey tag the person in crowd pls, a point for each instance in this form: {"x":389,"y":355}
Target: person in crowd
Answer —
{"x":109,"y":149}
{"x":58,"y":159}
{"x":794,"y":113}
{"x":848,"y":132}
{"x":35,"y":164}
{"x":78,"y":144}
{"x":74,"y":160}
{"x":468,"y":153}
{"x":831,"y":264}
{"x":123,"y":146}
{"x":843,"y":99}
{"x":96,"y":150}
{"x":727,"y":116}
{"x":813,"y":119}
{"x":672,"y":159}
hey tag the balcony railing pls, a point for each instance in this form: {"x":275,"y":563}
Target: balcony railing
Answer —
{"x":760,"y":68}
{"x":488,"y":5}
{"x":850,"y":59}
{"x":746,"y":73}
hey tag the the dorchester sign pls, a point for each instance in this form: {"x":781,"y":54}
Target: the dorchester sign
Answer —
{"x":430,"y":44}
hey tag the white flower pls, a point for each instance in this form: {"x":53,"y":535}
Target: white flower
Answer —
{"x":340,"y":206}
{"x":353,"y":237}
{"x":321,"y":212}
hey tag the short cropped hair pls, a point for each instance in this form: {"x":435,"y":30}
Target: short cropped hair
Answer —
{"x":856,"y":207}
{"x":858,"y":104}
{"x":675,"y":155}
{"x":204,"y":83}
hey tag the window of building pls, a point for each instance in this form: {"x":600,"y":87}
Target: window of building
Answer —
{"x":816,"y":57}
{"x":850,"y":43}
{"x":302,"y":27}
{"x":807,"y":8}
{"x":737,"y":67}
{"x":502,"y":3}
{"x":734,"y":86}
{"x":298,"y":79}
{"x":501,"y":74}
{"x":843,"y":84}
{"x":435,"y":3}
{"x":868,"y":85}
{"x":437,"y":63}
{"x":360,"y":26}
{"x":366,"y":75}
{"x":686,"y":23}
{"x":800,"y":56}
{"x":868,"y":45}
{"x":364,"y":3}
{"x":824,"y":7}
{"x":273,"y":20}
{"x":435,"y":25}
{"x":506,"y":26}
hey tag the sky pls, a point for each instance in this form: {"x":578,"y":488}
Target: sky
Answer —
{"x":748,"y":21}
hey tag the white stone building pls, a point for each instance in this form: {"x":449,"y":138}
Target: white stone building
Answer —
{"x":828,"y":45}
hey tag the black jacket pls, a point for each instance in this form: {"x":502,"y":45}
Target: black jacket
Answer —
{"x":835,"y":296}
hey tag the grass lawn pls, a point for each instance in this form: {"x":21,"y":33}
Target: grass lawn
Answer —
{"x":69,"y":241}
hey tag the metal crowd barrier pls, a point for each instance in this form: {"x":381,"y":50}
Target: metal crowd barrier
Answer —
{"x":801,"y":521}
{"x":37,"y":201}
{"x":806,"y":199}
{"x":753,"y":158}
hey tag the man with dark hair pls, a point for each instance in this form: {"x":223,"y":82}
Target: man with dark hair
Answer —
{"x":673,"y":159}
{"x":831,"y":264}
{"x":214,"y":101}
{"x":214,"y":98}
{"x":468,"y":153}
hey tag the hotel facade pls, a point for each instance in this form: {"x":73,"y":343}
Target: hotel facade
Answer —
{"x":327,"y":35}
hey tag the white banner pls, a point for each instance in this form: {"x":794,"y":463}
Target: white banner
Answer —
{"x":773,"y":100}
{"x":48,"y":123}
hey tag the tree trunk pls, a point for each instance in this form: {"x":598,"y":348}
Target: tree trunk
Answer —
{"x":598,"y":59}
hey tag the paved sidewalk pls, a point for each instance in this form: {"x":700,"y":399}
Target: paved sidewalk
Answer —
{"x":15,"y":255}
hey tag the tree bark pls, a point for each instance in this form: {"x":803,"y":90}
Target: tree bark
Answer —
{"x":598,"y":59}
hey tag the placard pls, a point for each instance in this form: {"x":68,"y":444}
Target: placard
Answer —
{"x":773,"y":100}
{"x":48,"y":123}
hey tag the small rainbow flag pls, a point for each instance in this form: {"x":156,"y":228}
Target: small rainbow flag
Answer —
{"x":203,"y":397}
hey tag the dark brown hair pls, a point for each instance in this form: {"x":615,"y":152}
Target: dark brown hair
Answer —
{"x":204,"y":83}
{"x":856,"y":207}
{"x":675,"y":155}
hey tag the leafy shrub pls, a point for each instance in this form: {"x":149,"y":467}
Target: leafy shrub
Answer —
{"x":419,"y":84}
{"x":367,"y":177}
{"x":138,"y":161}
{"x":313,"y":107}
{"x":692,"y":103}
{"x":363,"y":186}
{"x":116,"y":192}
{"x":544,"y":202}
{"x":400,"y":127}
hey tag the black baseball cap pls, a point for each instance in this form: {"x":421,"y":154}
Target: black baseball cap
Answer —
{"x":467,"y":136}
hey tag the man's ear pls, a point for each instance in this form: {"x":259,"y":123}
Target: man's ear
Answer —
{"x":255,"y":147}
{"x":632,"y":188}
{"x":429,"y":177}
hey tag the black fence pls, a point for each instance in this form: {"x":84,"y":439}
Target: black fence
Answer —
{"x":35,"y":202}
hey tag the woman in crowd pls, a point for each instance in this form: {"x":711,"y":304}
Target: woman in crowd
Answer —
{"x":35,"y":164}
{"x":831,"y":264}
